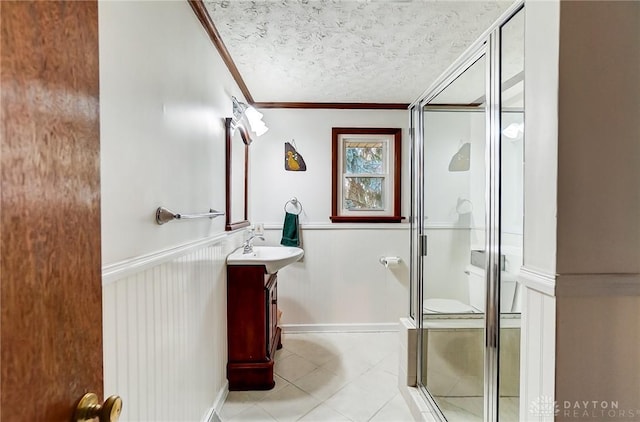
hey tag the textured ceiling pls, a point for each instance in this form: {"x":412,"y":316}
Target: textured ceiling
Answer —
{"x":384,"y":51}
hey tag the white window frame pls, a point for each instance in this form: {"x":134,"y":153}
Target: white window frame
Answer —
{"x":387,"y":186}
{"x":391,"y":139}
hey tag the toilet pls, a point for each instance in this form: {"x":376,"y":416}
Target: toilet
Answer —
{"x":509,"y":296}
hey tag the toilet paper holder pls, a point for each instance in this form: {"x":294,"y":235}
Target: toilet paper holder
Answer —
{"x":390,"y":261}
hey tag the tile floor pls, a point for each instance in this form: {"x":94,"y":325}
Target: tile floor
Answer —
{"x":470,"y":409}
{"x":328,"y":377}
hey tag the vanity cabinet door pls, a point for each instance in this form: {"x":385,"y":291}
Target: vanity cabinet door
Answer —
{"x":246,"y":299}
{"x":253,"y":334}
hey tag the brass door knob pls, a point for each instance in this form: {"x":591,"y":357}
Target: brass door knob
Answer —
{"x":90,"y":409}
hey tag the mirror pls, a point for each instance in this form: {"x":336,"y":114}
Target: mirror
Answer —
{"x":237,"y":162}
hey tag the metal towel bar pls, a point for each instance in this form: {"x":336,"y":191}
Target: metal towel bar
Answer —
{"x":163,"y":215}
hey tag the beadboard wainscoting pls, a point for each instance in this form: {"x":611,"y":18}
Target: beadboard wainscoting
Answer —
{"x":538,"y":344}
{"x":164,"y":324}
{"x":340,"y":284}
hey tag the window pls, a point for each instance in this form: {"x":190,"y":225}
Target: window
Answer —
{"x":366,"y":175}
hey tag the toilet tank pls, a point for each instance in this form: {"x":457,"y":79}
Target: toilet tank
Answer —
{"x":509,"y":302}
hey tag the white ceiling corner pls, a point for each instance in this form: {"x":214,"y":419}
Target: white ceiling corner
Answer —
{"x":376,"y":51}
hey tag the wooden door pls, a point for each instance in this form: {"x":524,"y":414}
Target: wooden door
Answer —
{"x":50,"y":269}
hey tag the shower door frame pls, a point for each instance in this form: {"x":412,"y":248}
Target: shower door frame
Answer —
{"x":488,"y":45}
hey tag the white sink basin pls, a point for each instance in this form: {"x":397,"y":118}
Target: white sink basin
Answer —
{"x":272,"y":257}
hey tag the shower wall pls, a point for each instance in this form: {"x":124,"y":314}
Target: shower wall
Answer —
{"x":445,"y":133}
{"x":512,"y":169}
{"x":454,"y":210}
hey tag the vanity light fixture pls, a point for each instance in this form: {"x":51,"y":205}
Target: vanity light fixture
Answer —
{"x":253,"y":117}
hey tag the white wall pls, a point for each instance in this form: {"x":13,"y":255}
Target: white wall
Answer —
{"x":164,"y":91}
{"x":511,"y":185}
{"x":271,"y":186}
{"x":445,"y":133}
{"x":339,"y":284}
{"x":449,"y":232}
{"x":477,"y":180}
{"x":446,"y":262}
{"x":537,"y":368}
{"x":541,"y":131}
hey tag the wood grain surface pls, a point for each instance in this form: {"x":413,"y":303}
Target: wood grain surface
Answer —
{"x":51,"y":316}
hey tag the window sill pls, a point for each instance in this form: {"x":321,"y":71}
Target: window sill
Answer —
{"x":366,"y":219}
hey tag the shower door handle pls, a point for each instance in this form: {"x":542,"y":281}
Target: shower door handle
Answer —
{"x":423,"y":245}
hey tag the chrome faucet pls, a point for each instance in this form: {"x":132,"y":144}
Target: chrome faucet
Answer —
{"x":247,"y":247}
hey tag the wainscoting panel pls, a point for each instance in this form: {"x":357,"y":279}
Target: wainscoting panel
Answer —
{"x":537,"y":361}
{"x":165,"y":347}
{"x":339,"y":284}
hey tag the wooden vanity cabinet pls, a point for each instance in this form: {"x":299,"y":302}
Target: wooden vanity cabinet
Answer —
{"x":253,"y":334}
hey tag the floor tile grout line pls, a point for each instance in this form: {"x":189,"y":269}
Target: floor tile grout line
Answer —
{"x":343,"y":348}
{"x":383,"y":406}
{"x":322,"y":403}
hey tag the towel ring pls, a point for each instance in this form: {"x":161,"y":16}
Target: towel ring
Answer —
{"x":297,"y":206}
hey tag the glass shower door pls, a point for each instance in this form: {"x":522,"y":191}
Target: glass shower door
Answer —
{"x":453,"y":192}
{"x":467,"y":220}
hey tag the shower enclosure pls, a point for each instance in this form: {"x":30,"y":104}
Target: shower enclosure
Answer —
{"x":467,"y":219}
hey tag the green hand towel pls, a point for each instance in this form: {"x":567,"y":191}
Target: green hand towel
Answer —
{"x":290,"y":233}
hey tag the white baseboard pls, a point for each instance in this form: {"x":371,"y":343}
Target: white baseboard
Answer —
{"x":417,"y":404}
{"x":340,"y":328}
{"x":211,"y":416}
{"x":214,"y":411}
